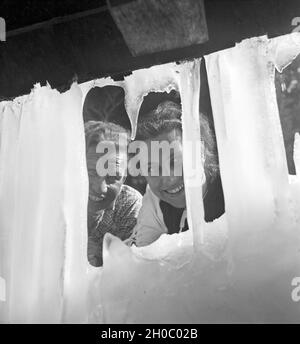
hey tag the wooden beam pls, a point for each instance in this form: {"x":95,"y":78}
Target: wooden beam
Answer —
{"x":154,"y":26}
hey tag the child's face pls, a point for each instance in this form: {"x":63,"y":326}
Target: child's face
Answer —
{"x":169,"y":187}
{"x":103,"y":190}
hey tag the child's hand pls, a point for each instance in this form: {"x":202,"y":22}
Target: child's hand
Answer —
{"x":94,"y":252}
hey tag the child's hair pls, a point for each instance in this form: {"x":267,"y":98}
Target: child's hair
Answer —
{"x":98,"y":131}
{"x":165,"y":118}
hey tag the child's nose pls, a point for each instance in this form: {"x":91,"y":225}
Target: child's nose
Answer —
{"x":168,"y":181}
{"x":99,"y":186}
{"x":103,"y":187}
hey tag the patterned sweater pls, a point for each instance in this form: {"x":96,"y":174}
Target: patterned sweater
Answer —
{"x":120,"y":222}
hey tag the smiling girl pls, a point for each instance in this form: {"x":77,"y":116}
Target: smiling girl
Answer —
{"x":164,"y":205}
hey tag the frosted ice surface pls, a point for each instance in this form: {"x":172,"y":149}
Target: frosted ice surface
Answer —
{"x":285,"y":49}
{"x":164,"y":282}
{"x":158,"y":78}
{"x":43,"y":207}
{"x":237,"y":269}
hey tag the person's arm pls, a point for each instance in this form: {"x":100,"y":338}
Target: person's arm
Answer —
{"x":94,"y":251}
{"x":150,"y":225}
{"x":127,"y":214}
{"x":95,"y":238}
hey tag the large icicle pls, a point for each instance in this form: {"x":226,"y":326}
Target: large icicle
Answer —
{"x":263,"y":233}
{"x":43,"y":207}
{"x":191,"y":141}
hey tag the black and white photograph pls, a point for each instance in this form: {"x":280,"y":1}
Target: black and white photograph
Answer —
{"x":149,"y":165}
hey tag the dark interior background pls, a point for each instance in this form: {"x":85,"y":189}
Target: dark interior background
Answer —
{"x":58,"y":41}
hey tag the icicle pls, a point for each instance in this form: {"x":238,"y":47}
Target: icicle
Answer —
{"x":162,"y":78}
{"x":43,"y":207}
{"x":191,"y":141}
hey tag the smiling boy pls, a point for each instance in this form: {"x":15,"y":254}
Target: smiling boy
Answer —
{"x":112,"y":207}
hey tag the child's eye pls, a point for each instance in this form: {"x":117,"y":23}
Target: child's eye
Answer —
{"x":110,"y":180}
{"x":154,"y":170}
{"x":113,"y":179}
